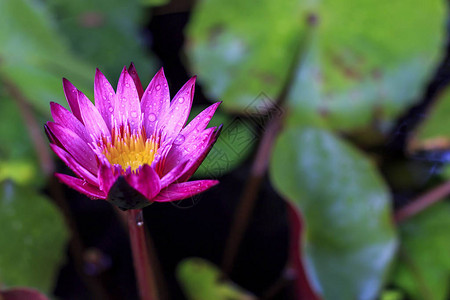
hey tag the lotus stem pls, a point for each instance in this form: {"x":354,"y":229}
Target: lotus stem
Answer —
{"x":144,"y":273}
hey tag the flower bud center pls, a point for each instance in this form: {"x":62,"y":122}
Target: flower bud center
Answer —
{"x":131,"y":150}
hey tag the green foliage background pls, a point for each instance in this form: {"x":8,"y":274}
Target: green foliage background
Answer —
{"x":343,"y":68}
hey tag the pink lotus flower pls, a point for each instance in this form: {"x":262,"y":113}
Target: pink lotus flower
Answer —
{"x":132,"y":148}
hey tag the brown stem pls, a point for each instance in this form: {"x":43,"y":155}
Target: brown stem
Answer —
{"x":422,"y":202}
{"x":261,"y":161}
{"x":34,"y":128}
{"x":144,"y":274}
{"x":249,"y":196}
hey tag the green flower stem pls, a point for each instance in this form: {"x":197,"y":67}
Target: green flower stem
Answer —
{"x":144,"y":273}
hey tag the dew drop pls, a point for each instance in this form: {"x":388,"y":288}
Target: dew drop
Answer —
{"x":179,"y":140}
{"x":158,"y":87}
{"x":139,"y":219}
{"x":124,"y":99}
{"x":151,"y":117}
{"x":111,"y":109}
{"x":134,"y":114}
{"x":181,"y":100}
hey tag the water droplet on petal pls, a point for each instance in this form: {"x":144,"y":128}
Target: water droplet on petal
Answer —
{"x":151,"y":117}
{"x":179,"y":140}
{"x":158,"y":87}
{"x":181,"y":100}
{"x":139,"y":219}
{"x":111,"y":109}
{"x":124,"y":99}
{"x":134,"y":114}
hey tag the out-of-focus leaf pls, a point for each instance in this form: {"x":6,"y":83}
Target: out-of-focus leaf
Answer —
{"x":423,"y":268}
{"x":21,"y":294}
{"x":201,"y":280}
{"x":34,"y":56}
{"x":106,"y":33}
{"x":391,"y":295}
{"x":33,"y":238}
{"x":239,"y":49}
{"x":349,"y":239}
{"x":360,"y":60}
{"x":17,"y":156}
{"x":434,"y":133}
{"x":154,"y":2}
{"x":368,"y":60}
{"x":235,"y":143}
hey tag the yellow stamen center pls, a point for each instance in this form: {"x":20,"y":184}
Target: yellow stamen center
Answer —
{"x":131,"y":150}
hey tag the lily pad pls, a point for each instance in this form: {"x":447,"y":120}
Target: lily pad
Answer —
{"x":349,"y":239}
{"x":434,"y":134}
{"x":423,"y":268}
{"x":359,"y":62}
{"x":35,"y":56}
{"x":239,"y":49}
{"x":107,"y":33}
{"x":201,"y":280}
{"x":236,"y":142}
{"x":18,"y":160}
{"x":33,"y":238}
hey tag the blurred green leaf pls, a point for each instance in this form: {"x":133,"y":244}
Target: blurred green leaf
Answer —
{"x":34,"y":56}
{"x":368,"y":60}
{"x":242,"y":48}
{"x":349,"y":239}
{"x":201,"y":280}
{"x":154,"y":2}
{"x":17,"y":156}
{"x":423,"y":268}
{"x":106,"y":33}
{"x":434,"y":133}
{"x":361,"y":61}
{"x":235,"y":144}
{"x":33,"y":238}
{"x":391,"y":295}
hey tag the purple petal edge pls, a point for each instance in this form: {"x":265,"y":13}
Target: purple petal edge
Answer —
{"x":179,"y":191}
{"x":74,"y":165}
{"x":81,"y":186}
{"x":71,"y":93}
{"x":137,"y":81}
